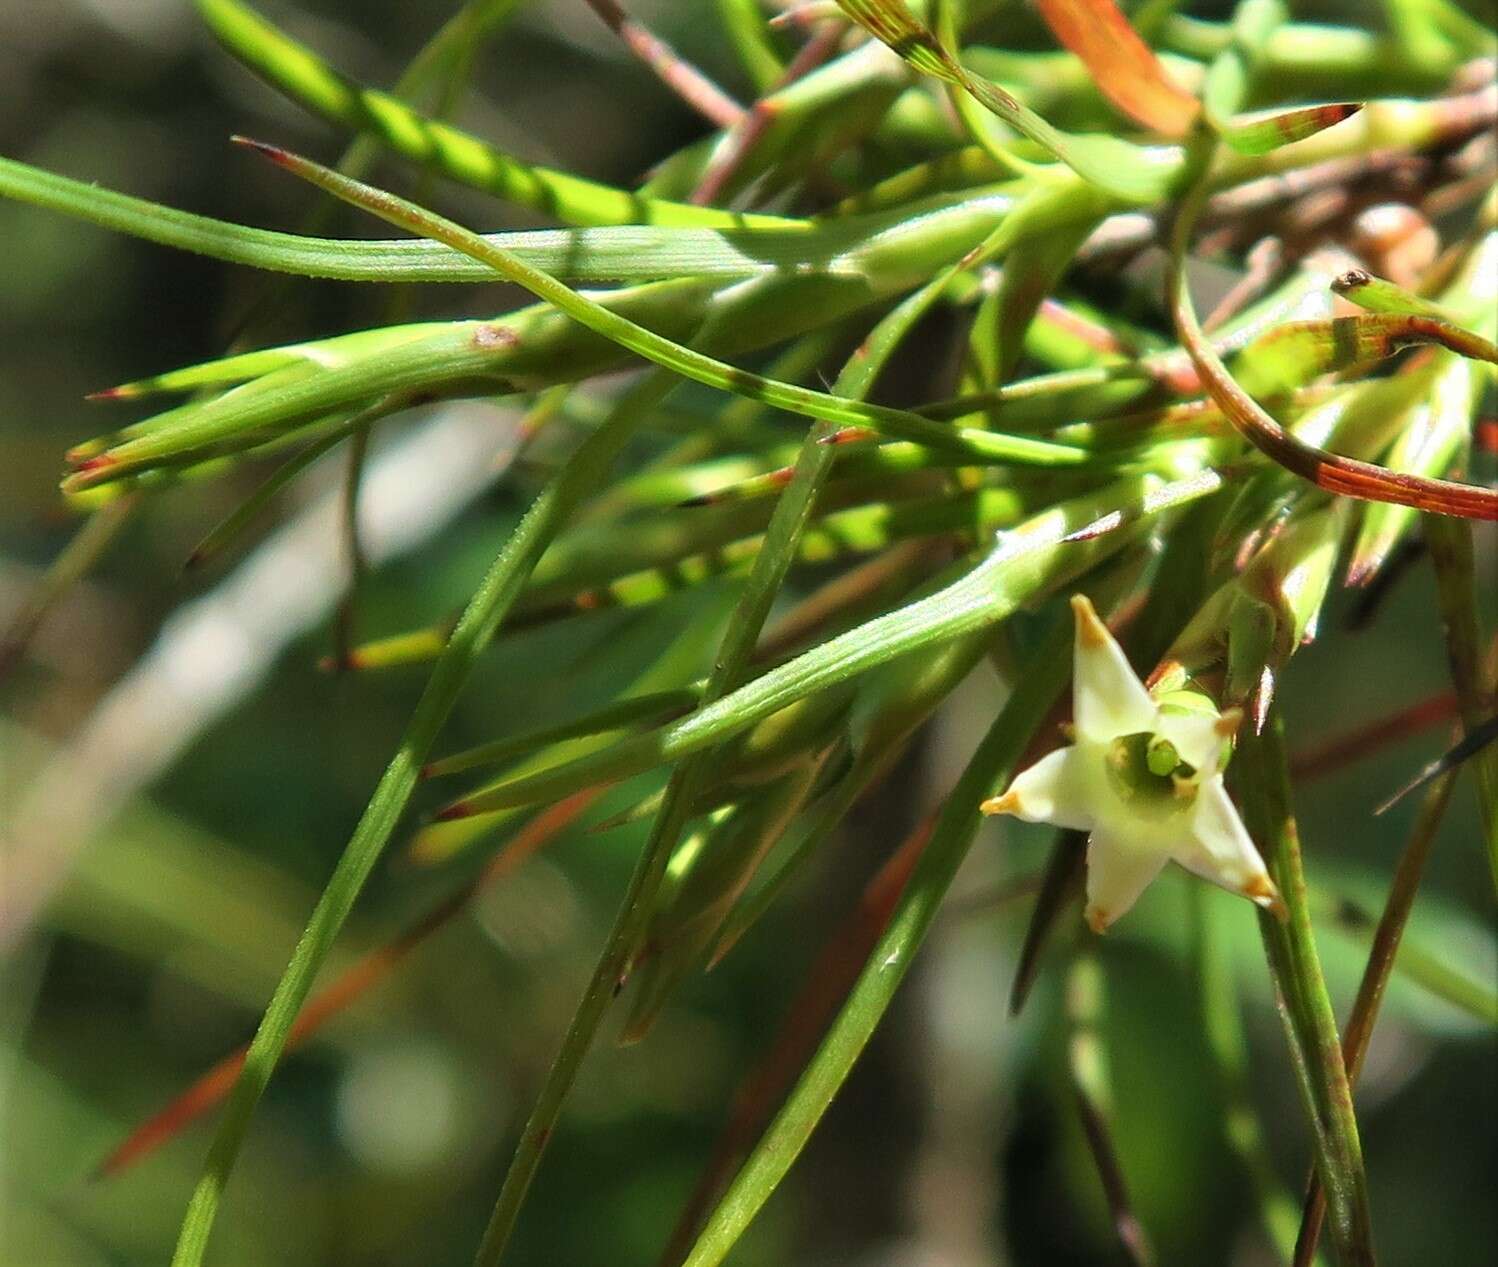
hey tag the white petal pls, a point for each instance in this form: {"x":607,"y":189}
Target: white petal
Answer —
{"x":1199,"y":737}
{"x":1117,"y":873}
{"x":1108,"y":700}
{"x":1061,"y":789}
{"x":1218,"y":848}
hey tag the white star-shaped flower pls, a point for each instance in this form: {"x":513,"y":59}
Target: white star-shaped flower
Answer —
{"x":1144,"y":781}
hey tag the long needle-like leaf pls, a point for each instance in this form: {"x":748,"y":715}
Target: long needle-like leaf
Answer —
{"x":481,"y":618}
{"x":771,"y":565}
{"x":891,"y":957}
{"x":663,"y":351}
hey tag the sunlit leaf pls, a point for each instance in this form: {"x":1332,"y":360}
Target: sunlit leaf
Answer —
{"x":1121,"y":64}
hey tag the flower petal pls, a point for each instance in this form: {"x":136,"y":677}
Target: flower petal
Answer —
{"x":1060,"y":789}
{"x":1217,"y":847}
{"x":1118,"y":871}
{"x":1199,"y":737}
{"x":1108,"y":699}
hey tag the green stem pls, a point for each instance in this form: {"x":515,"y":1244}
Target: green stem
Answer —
{"x":99,"y":531}
{"x":1306,"y":1009}
{"x":1085,"y":993}
{"x":1223,"y":1025}
{"x":1452,"y":553}
{"x":744,"y":23}
{"x":1381,"y":957}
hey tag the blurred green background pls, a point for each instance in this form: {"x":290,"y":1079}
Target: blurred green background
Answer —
{"x":185,"y":878}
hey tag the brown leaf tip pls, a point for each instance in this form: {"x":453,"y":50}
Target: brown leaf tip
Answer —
{"x":1352,"y":279}
{"x":281,"y":157}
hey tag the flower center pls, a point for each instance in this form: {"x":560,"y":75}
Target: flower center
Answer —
{"x":1149,"y":776}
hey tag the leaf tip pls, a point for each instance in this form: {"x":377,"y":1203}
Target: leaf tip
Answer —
{"x":90,"y":471}
{"x":277,"y":154}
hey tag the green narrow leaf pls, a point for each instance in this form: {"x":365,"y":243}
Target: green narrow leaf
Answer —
{"x":610,"y":253}
{"x":234,"y":524}
{"x":1126,"y":171}
{"x":295,"y":70}
{"x":475,"y":628}
{"x":1260,"y":134}
{"x":1293,"y":354}
{"x":663,"y":351}
{"x":1029,"y":561}
{"x":617,"y":716}
{"x":688,"y":779}
{"x":850,"y":1031}
{"x":1360,"y":287}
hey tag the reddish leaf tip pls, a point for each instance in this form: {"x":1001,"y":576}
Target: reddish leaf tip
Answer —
{"x":278,"y":155}
{"x":91,"y":471}
{"x":847,"y":435}
{"x":80,"y":453}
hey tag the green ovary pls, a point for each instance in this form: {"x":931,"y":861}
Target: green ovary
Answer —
{"x":1147,"y":774}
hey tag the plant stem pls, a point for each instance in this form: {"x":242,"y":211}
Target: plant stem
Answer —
{"x":1451,"y":552}
{"x":1305,"y":1008}
{"x":1381,"y":956}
